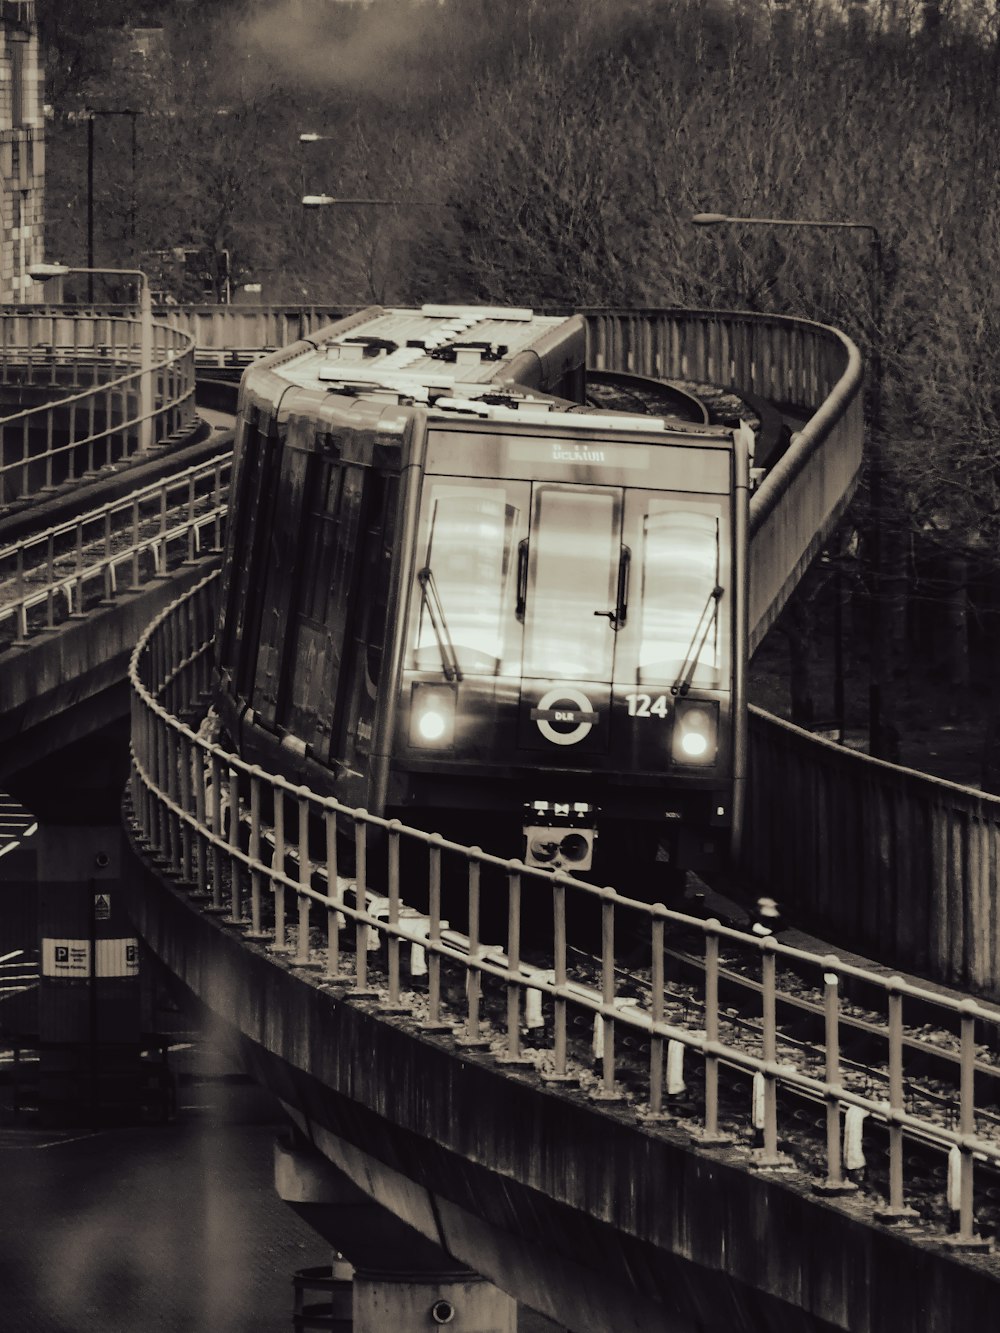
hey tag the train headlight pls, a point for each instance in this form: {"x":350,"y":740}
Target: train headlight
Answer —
{"x":432,"y":716}
{"x":696,"y":732}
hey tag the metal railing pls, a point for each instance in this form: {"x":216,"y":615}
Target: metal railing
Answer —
{"x":275,"y":860}
{"x":59,"y":573}
{"x":93,"y":363}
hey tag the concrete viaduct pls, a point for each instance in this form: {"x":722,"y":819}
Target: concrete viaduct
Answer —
{"x":455,"y":1160}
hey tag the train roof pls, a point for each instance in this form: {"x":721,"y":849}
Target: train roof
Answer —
{"x":435,"y":348}
{"x":457,"y":362}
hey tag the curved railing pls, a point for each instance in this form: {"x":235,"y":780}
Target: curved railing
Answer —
{"x":89,"y":560}
{"x":269,"y":857}
{"x":94,"y":418}
{"x":904,"y":865}
{"x":810,"y":370}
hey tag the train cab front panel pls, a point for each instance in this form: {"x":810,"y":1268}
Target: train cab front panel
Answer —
{"x":569,"y":629}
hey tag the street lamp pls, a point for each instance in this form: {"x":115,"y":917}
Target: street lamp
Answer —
{"x":875,"y":729}
{"x":326,"y":200}
{"x":42,"y":273}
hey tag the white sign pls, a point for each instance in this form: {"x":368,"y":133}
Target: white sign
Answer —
{"x":65,"y":958}
{"x":118,"y":958}
{"x":102,"y":906}
{"x":71,"y":958}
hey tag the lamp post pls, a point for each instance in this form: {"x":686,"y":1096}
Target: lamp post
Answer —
{"x":42,"y":272}
{"x":876,"y":737}
{"x":89,"y":114}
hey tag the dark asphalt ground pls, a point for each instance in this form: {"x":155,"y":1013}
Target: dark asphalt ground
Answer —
{"x":172,"y":1227}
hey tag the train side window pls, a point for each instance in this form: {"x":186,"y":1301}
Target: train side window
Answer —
{"x":365,"y":624}
{"x":247,"y":546}
{"x":318,"y":624}
{"x":284,"y":563}
{"x":680,"y":571}
{"x":378,"y":578}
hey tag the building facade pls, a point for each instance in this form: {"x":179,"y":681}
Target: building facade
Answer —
{"x":22,"y":150}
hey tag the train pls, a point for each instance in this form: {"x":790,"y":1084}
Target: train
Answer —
{"x":457,"y":594}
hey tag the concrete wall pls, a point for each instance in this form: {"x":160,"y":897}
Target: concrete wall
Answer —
{"x":892,"y":863}
{"x":70,"y":681}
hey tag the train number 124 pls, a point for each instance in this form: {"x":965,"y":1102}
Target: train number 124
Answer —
{"x":644,"y":705}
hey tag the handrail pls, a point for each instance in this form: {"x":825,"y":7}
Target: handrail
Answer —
{"x":197,"y":808}
{"x":59,"y":563}
{"x":78,"y":433}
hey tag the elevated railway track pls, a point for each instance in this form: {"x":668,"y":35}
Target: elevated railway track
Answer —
{"x":683,"y":1045}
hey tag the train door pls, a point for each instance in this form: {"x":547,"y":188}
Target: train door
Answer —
{"x":572,"y":585}
{"x":673,"y":649}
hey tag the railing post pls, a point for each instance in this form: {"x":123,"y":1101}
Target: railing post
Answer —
{"x":559,"y":1073}
{"x":333,"y":914}
{"x":162,"y":821}
{"x":135,"y":543}
{"x":253,"y":852}
{"x":656,"y":1011}
{"x":607,"y":1089}
{"x":513,"y":1055}
{"x":897,"y":1211}
{"x":200,"y":804}
{"x":392,"y":939}
{"x":474,"y":978}
{"x":184,"y":776}
{"x":769,"y":1155}
{"x":174,"y":846}
{"x":711,"y":1133}
{"x":834,"y":1182}
{"x":278,"y":869}
{"x":434,"y":935}
{"x":362,"y":921}
{"x":966,"y":1238}
{"x":301,"y":958}
{"x":235,"y":864}
{"x":217,"y":822}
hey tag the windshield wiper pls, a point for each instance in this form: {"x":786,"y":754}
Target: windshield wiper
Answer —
{"x":708,"y":613}
{"x":435,"y":612}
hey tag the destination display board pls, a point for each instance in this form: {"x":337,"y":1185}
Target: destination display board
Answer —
{"x":697,"y":465}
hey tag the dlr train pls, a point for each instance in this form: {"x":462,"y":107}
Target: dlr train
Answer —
{"x":456,"y":595}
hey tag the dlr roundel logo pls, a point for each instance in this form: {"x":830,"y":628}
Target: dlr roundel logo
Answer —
{"x":564,"y":715}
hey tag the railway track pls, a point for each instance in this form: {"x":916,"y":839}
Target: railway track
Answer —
{"x":693,"y":402}
{"x":611,"y":390}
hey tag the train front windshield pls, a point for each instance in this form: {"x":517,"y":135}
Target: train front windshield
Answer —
{"x":596,"y":580}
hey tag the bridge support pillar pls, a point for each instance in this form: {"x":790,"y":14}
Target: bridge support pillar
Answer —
{"x":412,"y":1301}
{"x":402,"y":1280}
